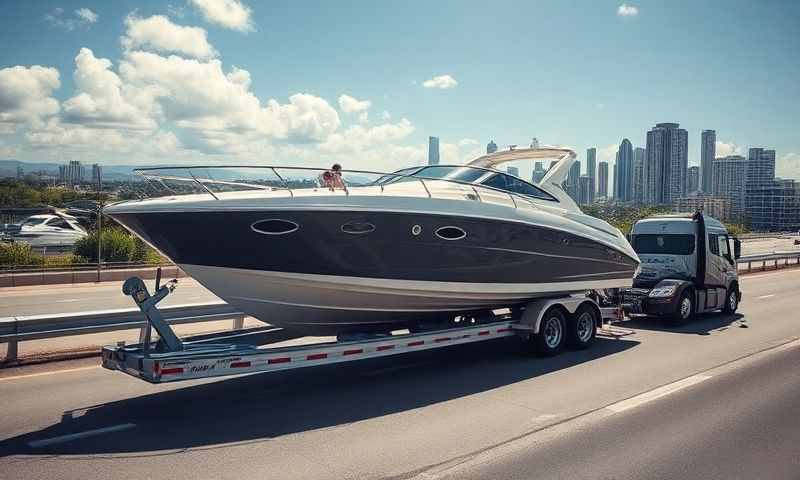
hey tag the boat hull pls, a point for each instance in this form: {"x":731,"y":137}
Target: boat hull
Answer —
{"x":323,"y":277}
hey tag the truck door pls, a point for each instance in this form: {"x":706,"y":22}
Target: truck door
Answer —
{"x":715,"y":275}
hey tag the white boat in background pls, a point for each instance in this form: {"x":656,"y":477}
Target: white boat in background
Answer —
{"x":56,"y":231}
{"x":429,"y":242}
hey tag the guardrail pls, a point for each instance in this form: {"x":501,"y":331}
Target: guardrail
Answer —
{"x":36,"y":327}
{"x":775,"y":259}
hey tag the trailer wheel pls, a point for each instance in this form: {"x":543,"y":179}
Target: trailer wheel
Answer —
{"x":732,"y":301}
{"x":583,"y":327}
{"x":552,"y":333}
{"x":684,"y":309}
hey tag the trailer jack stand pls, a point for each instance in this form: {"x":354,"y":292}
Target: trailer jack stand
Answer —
{"x":136,"y":289}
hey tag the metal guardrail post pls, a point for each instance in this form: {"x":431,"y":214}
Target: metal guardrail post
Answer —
{"x":238,"y":322}
{"x":12,"y":349}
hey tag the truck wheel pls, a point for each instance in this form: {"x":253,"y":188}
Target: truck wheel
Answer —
{"x":552,"y":333}
{"x":731,"y":302}
{"x":684,"y":309}
{"x":582,"y":327}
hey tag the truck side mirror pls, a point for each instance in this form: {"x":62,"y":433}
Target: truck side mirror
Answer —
{"x":737,"y":248}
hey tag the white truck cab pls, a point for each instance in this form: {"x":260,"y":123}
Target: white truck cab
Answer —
{"x":688,"y":266}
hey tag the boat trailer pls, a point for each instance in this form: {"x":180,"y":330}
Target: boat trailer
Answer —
{"x":170,"y":358}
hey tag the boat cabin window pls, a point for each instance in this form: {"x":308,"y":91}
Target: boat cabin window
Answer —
{"x":393,"y":178}
{"x":460,"y":174}
{"x":508,"y":183}
{"x":59,"y":223}
{"x":663,"y":244}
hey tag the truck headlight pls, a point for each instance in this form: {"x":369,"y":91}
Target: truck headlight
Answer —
{"x":667,"y":291}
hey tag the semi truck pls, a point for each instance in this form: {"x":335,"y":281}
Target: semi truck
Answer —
{"x":688,"y":266}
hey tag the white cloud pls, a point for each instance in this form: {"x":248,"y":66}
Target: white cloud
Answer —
{"x":87,"y":15}
{"x":442,"y":82}
{"x":82,"y":17}
{"x":607,"y":154}
{"x":231,"y":14}
{"x":160,"y":34}
{"x":723,"y":149}
{"x":358,"y":137}
{"x":26,"y":95}
{"x":103,"y":101}
{"x":386,"y":116}
{"x":350,"y":104}
{"x":363,"y":117}
{"x":465,"y":142}
{"x":788,"y":166}
{"x":626,"y":10}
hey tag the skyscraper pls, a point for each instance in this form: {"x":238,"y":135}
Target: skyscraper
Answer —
{"x":637,"y":192}
{"x":730,"y":180}
{"x":573,"y":180}
{"x":73,"y":173}
{"x":760,"y":166}
{"x":535,"y":143}
{"x":666,"y":164}
{"x":433,"y":150}
{"x":708,"y":150}
{"x":491,"y":147}
{"x":614,"y":181}
{"x":624,"y":191}
{"x":591,"y":172}
{"x":602,"y":179}
{"x":538,"y":172}
{"x":97,"y":174}
{"x":584,"y":184}
{"x":693,"y":180}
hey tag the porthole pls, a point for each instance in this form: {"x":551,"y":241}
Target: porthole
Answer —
{"x":450,"y":233}
{"x":358,"y":228}
{"x":416,"y":230}
{"x":274,"y":226}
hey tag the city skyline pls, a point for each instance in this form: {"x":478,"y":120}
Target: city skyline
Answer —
{"x":267,"y":90}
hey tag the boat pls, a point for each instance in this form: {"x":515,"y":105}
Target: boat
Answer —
{"x":55,"y":231}
{"x":425,"y":242}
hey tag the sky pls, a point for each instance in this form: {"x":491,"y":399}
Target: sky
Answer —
{"x":365,"y":83}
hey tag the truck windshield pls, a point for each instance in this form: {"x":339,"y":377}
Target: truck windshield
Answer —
{"x":664,"y":244}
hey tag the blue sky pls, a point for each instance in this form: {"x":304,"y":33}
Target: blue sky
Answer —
{"x":574,"y":73}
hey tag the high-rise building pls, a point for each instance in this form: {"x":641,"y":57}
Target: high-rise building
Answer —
{"x":73,"y":173}
{"x":20,"y":172}
{"x":573,"y":180}
{"x":666,"y":164}
{"x":774,"y":206}
{"x":719,"y":208}
{"x":62,"y":174}
{"x":591,"y":172}
{"x":97,"y":174}
{"x":624,"y":191}
{"x":512,"y":170}
{"x":433,"y":150}
{"x":584,"y":190}
{"x":535,"y":142}
{"x":708,"y":151}
{"x":491,"y":147}
{"x":637,"y":190}
{"x":760,"y":166}
{"x":614,"y":182}
{"x":693,"y":180}
{"x":602,"y":179}
{"x":730,"y":180}
{"x":538,"y":172}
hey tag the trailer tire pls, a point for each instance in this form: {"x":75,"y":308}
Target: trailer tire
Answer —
{"x":552,"y":333}
{"x":582,"y":327}
{"x":731,"y":301}
{"x":684,"y":310}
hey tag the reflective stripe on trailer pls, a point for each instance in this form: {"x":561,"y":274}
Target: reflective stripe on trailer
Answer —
{"x":264,"y":360}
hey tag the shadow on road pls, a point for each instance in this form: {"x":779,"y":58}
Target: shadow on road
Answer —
{"x":261,"y":407}
{"x":703,"y":324}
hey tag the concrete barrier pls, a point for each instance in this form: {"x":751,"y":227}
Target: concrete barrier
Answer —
{"x":85,"y":276}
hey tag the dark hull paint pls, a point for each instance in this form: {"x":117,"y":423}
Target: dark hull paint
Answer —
{"x":493,"y":251}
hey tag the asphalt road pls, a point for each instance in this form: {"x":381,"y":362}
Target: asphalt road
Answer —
{"x":430,"y":414}
{"x":81,"y":297}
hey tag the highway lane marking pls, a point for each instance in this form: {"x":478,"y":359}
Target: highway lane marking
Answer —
{"x":42,"y":374}
{"x":770,"y":274}
{"x":77,"y":436}
{"x":657,"y":393}
{"x":766,"y":296}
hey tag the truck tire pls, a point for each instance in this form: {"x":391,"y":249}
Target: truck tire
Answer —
{"x":552,"y":333}
{"x":684,"y":310}
{"x":582,"y":327}
{"x":731,"y":301}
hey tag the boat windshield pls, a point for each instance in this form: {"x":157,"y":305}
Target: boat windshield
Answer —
{"x":461,"y":174}
{"x":34,"y":221}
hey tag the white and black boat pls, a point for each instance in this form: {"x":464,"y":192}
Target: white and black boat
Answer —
{"x":423,"y":242}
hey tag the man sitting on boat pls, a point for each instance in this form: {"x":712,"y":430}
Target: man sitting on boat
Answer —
{"x":332,"y":178}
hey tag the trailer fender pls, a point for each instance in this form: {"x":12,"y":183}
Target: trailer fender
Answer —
{"x":535,"y":310}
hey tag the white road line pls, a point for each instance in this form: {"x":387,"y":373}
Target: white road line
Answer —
{"x":76,"y":436}
{"x":42,"y":374}
{"x":657,"y":393}
{"x":766,"y":296}
{"x":68,"y":300}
